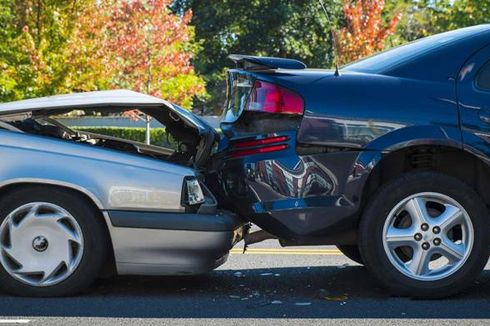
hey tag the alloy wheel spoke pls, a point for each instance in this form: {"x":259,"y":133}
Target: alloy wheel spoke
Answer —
{"x":419,"y":265}
{"x":398,"y":237}
{"x":33,"y":211}
{"x":452,"y":251}
{"x":69,"y":235}
{"x":417,"y":210}
{"x":451,"y":217}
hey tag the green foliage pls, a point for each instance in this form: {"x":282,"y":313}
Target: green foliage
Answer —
{"x":51,"y":46}
{"x":158,"y":135}
{"x":33,"y":37}
{"x":426,"y":17}
{"x":462,"y":13}
{"x":286,"y":28}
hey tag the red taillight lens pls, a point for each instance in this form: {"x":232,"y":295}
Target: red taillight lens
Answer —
{"x":260,"y":142}
{"x":268,"y":149}
{"x":267,"y":97}
{"x":258,"y":146}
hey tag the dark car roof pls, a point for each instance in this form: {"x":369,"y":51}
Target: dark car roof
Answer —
{"x":433,"y":57}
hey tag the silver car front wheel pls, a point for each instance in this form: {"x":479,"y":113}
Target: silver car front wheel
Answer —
{"x":41,"y":244}
{"x":53,"y":241}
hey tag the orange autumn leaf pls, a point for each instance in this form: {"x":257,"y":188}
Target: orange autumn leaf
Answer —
{"x":365,"y":32}
{"x":141,"y":45}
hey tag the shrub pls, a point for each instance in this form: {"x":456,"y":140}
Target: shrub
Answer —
{"x":158,"y":135}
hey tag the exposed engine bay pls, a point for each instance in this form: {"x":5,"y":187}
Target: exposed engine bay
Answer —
{"x":181,"y":147}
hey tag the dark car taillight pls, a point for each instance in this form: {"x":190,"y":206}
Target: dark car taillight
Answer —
{"x":271,"y":98}
{"x":258,"y":146}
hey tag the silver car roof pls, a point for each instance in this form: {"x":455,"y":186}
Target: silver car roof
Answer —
{"x":83,"y":100}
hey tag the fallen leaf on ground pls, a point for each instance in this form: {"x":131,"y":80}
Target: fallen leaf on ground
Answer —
{"x":336,"y":297}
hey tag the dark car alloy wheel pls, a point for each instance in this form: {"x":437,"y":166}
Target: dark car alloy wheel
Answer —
{"x":425,"y":235}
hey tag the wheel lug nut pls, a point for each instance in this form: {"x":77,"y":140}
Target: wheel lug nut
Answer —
{"x":424,"y":227}
{"x":436,"y":229}
{"x":425,"y":245}
{"x":437,"y":241}
{"x":418,"y":236}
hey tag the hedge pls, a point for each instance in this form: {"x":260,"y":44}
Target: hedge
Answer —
{"x":158,"y":135}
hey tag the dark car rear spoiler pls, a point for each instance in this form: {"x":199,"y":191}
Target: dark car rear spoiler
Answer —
{"x":250,"y":62}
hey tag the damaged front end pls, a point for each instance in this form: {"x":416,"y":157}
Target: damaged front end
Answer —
{"x":189,"y":139}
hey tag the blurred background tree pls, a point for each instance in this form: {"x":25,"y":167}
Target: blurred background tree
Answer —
{"x":365,"y":30}
{"x":139,"y":45}
{"x":52,"y":46}
{"x":33,"y":38}
{"x":287,"y":28}
{"x":180,"y":46}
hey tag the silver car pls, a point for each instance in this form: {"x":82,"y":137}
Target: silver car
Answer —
{"x":75,"y":204}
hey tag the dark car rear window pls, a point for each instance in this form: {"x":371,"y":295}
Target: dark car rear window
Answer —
{"x":386,"y":60}
{"x":483,"y":78}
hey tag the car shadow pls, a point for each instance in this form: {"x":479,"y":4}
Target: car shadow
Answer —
{"x":295,"y":292}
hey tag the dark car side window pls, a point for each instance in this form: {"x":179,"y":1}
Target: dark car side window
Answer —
{"x":483,"y":77}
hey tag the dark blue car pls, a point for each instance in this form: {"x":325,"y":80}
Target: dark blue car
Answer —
{"x":387,"y":158}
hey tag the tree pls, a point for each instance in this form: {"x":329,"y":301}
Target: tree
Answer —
{"x":365,"y":32}
{"x":286,"y":28}
{"x":149,"y":49}
{"x":52,"y":46}
{"x":448,"y":15}
{"x":32,"y":45}
{"x":7,"y":73}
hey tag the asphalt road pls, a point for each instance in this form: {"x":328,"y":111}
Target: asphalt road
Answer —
{"x":268,"y":285}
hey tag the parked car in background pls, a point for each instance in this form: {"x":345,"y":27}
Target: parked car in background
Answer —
{"x":387,"y":158}
{"x":74,"y":204}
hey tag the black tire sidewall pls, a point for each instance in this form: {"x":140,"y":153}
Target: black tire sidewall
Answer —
{"x":94,"y":240}
{"x":352,"y":252}
{"x":371,"y":234}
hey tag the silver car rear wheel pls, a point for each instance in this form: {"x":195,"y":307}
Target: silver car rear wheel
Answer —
{"x":41,"y":244}
{"x":428,"y":236}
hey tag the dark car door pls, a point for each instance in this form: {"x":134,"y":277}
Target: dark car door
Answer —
{"x":474,"y":101}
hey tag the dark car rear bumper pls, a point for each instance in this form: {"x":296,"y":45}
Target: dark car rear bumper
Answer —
{"x":295,"y":197}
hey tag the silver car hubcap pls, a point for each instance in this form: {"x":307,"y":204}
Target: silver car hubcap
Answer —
{"x":41,"y":244}
{"x":428,"y":236}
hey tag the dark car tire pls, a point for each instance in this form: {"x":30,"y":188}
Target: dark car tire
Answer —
{"x":379,"y":262}
{"x":352,"y":252}
{"x":94,"y":244}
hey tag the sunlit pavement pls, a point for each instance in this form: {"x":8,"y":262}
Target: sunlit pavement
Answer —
{"x":267,"y":285}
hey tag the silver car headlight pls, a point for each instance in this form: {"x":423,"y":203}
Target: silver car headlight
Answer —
{"x":193,"y":192}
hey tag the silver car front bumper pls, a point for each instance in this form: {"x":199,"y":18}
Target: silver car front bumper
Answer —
{"x":147,"y":243}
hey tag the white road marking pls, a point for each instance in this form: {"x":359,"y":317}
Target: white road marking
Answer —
{"x":14,"y":321}
{"x":286,"y":251}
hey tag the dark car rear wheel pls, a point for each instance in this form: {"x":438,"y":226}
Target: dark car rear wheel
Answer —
{"x":352,"y":252}
{"x":52,"y":243}
{"x":425,"y":235}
